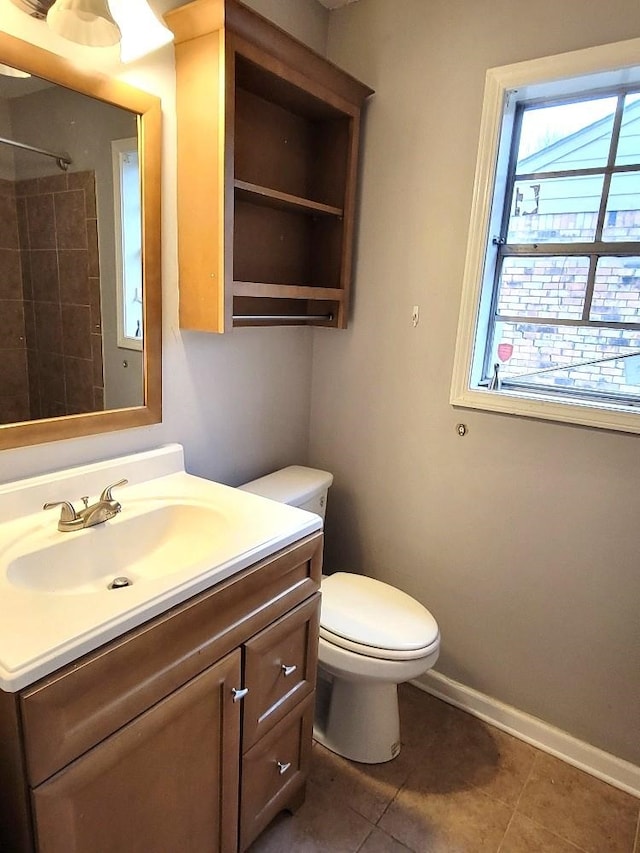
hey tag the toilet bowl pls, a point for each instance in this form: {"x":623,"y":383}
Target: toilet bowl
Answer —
{"x":372,"y":638}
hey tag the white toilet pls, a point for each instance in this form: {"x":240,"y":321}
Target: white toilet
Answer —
{"x":372,"y":638}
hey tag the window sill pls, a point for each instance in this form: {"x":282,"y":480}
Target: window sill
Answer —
{"x":612,"y":417}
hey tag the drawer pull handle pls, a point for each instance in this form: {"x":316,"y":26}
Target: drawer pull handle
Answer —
{"x":239,"y":693}
{"x":282,"y":768}
{"x":288,"y":670}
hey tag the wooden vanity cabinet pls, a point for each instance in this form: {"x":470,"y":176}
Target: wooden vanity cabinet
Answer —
{"x":150,"y":742}
{"x":268,"y":139}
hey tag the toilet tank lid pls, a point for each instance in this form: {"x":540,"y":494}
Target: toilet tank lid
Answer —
{"x":372,"y":613}
{"x":293,"y":485}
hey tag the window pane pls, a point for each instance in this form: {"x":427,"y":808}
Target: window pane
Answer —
{"x":629,"y":141}
{"x":616,"y":295}
{"x":543,"y":287}
{"x":551,"y":356}
{"x":622,"y":219}
{"x":566,"y":136}
{"x":555,"y":210}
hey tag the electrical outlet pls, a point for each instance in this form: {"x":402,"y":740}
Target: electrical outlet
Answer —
{"x":415,"y":315}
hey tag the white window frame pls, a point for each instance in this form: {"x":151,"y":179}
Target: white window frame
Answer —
{"x":566,"y":74}
{"x":128,"y":281}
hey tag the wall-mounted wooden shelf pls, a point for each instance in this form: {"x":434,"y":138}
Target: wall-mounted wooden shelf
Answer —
{"x":267,"y":167}
{"x":286,"y":291}
{"x":273,"y":198}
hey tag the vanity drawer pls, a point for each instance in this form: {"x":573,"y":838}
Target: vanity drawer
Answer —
{"x":280,"y":669}
{"x":274,"y":771}
{"x":72,"y":710}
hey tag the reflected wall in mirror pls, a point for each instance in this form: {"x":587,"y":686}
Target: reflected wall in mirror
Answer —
{"x":80,"y":337}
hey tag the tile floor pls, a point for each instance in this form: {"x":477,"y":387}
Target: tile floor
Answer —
{"x":458,"y":786}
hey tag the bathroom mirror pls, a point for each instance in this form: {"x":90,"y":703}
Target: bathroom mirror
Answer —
{"x":80,"y":289}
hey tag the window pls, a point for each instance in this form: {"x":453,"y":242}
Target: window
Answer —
{"x":128,"y":242}
{"x":550,"y":317}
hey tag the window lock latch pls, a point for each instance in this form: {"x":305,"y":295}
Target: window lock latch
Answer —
{"x":498,"y":241}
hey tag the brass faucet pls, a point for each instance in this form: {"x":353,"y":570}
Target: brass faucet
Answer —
{"x":102,"y":510}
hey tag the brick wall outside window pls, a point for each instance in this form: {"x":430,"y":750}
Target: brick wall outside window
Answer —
{"x":555,"y":287}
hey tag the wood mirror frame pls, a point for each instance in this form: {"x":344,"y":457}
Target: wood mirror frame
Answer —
{"x":49,"y":66}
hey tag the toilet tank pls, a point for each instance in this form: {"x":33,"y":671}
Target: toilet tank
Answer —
{"x":296,"y":485}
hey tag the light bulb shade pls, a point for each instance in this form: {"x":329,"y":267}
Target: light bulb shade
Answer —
{"x":142,"y":31}
{"x":9,"y":71}
{"x":86,"y":22}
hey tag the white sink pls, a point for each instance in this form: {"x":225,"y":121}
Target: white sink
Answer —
{"x":176,"y":535}
{"x":142,"y":544}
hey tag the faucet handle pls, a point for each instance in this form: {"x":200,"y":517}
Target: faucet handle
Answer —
{"x":106,"y":495}
{"x":67,"y":513}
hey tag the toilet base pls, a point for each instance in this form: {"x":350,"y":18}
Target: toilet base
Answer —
{"x":358,"y":719}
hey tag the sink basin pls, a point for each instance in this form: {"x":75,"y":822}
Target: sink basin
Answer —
{"x":139,"y":545}
{"x":176,"y":536}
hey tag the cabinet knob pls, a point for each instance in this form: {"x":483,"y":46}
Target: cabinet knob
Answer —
{"x":288,"y":670}
{"x":239,"y":693}
{"x":282,"y":768}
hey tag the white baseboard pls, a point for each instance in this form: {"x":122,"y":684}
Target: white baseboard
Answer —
{"x":603,"y":765}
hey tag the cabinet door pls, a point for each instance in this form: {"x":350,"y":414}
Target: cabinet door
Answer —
{"x":166,"y":782}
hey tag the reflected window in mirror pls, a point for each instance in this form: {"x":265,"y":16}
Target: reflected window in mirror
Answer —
{"x":126,"y":185}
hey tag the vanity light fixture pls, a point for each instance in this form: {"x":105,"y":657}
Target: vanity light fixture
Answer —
{"x":101,"y":23}
{"x":84,"y":21}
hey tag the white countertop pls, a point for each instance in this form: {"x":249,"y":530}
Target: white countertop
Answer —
{"x":41,"y":629}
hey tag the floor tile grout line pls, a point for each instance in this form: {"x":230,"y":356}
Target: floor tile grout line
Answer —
{"x":575,"y":846}
{"x":386,"y":808}
{"x":536,"y":759}
{"x":539,"y":757}
{"x":519,"y":797}
{"x":373,"y":829}
{"x":366,"y":838}
{"x":506,"y":830}
{"x":400,"y":788}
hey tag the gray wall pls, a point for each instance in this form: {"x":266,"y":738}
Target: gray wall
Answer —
{"x":522,"y":537}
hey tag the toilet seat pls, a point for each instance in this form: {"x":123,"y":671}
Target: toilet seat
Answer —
{"x":375,"y":651}
{"x":371,"y":618}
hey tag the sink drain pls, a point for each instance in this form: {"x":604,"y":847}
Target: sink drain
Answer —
{"x":119,"y":583}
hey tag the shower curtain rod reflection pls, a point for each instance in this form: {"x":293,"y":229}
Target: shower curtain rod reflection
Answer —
{"x":61,"y":159}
